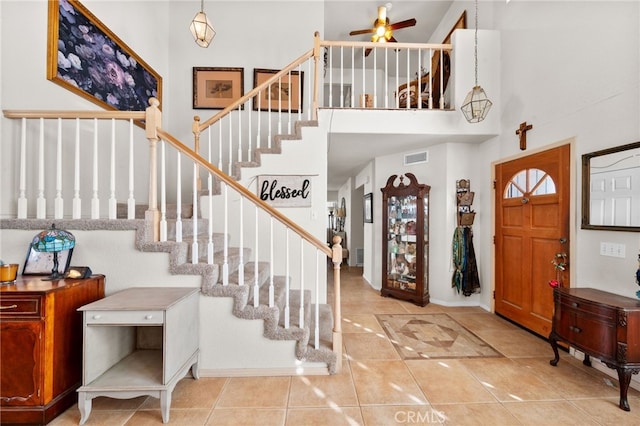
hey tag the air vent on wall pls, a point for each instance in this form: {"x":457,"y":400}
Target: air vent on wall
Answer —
{"x":416,"y":158}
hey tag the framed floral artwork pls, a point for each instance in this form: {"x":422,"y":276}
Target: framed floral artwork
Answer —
{"x":85,"y":57}
{"x":217,"y":88}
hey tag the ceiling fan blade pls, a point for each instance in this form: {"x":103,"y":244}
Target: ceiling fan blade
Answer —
{"x":403,"y":24}
{"x":392,"y":40}
{"x":358,"y":32}
{"x":366,"y":52}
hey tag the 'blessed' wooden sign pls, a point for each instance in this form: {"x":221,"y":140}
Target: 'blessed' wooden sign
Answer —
{"x":285,"y":190}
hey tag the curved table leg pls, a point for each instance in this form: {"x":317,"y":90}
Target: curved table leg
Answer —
{"x":553,"y":341}
{"x":84,"y":405}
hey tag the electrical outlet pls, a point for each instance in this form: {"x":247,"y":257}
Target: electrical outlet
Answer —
{"x":612,"y":250}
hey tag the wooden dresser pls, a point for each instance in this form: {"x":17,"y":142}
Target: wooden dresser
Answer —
{"x":600,"y":324}
{"x":41,"y":346}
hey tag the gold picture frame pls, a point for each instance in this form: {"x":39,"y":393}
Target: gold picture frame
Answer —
{"x":217,"y":87}
{"x":86,"y":58}
{"x":284,"y":95}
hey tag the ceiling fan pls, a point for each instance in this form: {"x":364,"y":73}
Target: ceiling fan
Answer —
{"x":382,"y":30}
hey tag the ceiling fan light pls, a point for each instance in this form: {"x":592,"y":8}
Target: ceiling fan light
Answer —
{"x":202,"y":30}
{"x":476,"y":105}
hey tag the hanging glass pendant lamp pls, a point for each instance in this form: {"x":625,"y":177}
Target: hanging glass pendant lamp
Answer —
{"x":476,"y":105}
{"x":201,"y":28}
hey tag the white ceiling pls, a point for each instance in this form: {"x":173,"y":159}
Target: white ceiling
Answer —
{"x":349,"y":153}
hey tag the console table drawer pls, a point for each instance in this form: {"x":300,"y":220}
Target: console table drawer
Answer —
{"x":28,"y":307}
{"x":575,"y":304}
{"x":124,"y":317}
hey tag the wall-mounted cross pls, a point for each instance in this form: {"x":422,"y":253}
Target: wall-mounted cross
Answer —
{"x":522,"y":132}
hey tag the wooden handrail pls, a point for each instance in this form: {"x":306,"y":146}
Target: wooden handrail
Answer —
{"x":245,"y":192}
{"x":255,"y":91}
{"x":122,"y":115}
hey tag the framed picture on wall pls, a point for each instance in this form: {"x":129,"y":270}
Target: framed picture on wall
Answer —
{"x":368,"y":208}
{"x":85,"y":57}
{"x":283,"y":94}
{"x":217,"y":88}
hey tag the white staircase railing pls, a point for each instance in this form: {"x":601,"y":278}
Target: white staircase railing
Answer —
{"x":69,"y":161}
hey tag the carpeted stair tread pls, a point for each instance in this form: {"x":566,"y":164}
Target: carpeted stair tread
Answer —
{"x":122,"y":210}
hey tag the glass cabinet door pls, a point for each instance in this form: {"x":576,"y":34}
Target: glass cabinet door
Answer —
{"x":406,"y":239}
{"x":402,"y":243}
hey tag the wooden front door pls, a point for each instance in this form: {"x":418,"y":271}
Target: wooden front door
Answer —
{"x":532,"y":236}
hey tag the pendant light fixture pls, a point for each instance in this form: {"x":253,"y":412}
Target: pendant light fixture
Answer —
{"x":201,"y":28}
{"x":476,"y":105}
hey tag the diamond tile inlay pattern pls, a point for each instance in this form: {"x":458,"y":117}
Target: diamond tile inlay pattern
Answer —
{"x":433,"y":336}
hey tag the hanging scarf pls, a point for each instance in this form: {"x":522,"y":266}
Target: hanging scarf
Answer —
{"x":458,"y":258}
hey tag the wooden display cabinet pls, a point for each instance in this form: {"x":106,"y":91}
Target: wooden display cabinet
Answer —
{"x":405,"y":232}
{"x":41,"y":346}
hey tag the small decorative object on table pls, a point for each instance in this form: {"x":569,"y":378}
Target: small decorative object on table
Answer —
{"x":8,"y":272}
{"x":53,"y":241}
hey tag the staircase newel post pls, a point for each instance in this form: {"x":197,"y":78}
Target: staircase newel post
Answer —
{"x":153,"y":121}
{"x":195,"y":128}
{"x":336,"y":258}
{"x":316,"y":73}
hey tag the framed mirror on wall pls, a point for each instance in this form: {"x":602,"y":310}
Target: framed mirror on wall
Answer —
{"x":611,"y":189}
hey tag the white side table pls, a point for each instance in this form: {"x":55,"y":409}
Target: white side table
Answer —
{"x":140,"y":341}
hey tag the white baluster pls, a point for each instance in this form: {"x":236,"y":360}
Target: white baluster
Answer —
{"x":22,"y":198}
{"x":301,"y":311}
{"x":210,"y":246}
{"x":219,"y":124}
{"x":259,"y":129}
{"x":269,"y":119}
{"x":230,"y":147}
{"x":178,"y":199}
{"x":77,"y":201}
{"x":375,"y":80}
{"x":319,"y":255}
{"x":331,"y":78}
{"x":287,"y":281}
{"x":386,"y":80}
{"x":353,"y":77}
{"x":41,"y":202}
{"x":59,"y":203}
{"x":271,"y":288}
{"x":431,"y":53}
{"x":441,"y":79}
{"x":194,"y":217}
{"x":256,"y":285}
{"x":398,"y":81}
{"x":163,"y":192}
{"x":225,"y":264}
{"x":241,"y":263}
{"x":131,"y":201}
{"x":95,"y":201}
{"x":240,"y":133}
{"x":408,"y":80}
{"x":419,"y":78}
{"x":112,"y":173}
{"x":250,"y":157}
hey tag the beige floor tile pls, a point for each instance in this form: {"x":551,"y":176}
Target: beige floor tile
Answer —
{"x":335,"y":416}
{"x":386,"y":415}
{"x":516,"y":343}
{"x":323,"y":391}
{"x":607,"y":412}
{"x":247,"y":417}
{"x":385,"y":382}
{"x":508,"y":381}
{"x":571,"y":381}
{"x":448,"y":381}
{"x":71,"y":417}
{"x":257,"y":392}
{"x":189,"y":393}
{"x":360,"y":323}
{"x":549,"y":413}
{"x":381,"y":306}
{"x":179,"y":417}
{"x":430,"y":308}
{"x":480,"y":321}
{"x":369,"y":346}
{"x":476,"y":415}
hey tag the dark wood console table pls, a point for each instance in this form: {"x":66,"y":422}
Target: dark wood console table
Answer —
{"x":600,"y":324}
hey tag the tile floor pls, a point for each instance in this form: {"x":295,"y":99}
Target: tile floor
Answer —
{"x":376,"y":387}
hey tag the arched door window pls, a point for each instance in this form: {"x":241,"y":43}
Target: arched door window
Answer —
{"x":530,"y":182}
